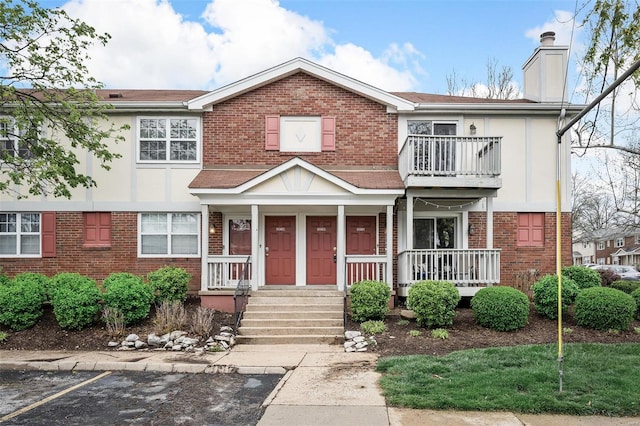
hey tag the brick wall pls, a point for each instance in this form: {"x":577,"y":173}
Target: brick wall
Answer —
{"x":234,"y":132}
{"x":98,"y":263}
{"x":516,"y":263}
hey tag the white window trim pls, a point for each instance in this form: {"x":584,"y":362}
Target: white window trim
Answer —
{"x":637,"y":239}
{"x":600,"y":245}
{"x":19,"y":235}
{"x":168,"y":139}
{"x":619,"y":242}
{"x":169,"y":234}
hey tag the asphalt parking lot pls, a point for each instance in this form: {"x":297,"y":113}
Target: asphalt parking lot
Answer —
{"x":127,"y":397}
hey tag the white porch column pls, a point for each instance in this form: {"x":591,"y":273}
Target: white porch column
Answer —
{"x":489,"y":212}
{"x":255,"y":261}
{"x":204,"y":248}
{"x":340,"y":249}
{"x":409,"y":224}
{"x":389,"y":248}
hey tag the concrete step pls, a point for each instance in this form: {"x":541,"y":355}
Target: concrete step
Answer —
{"x":286,"y":322}
{"x":290,"y":340}
{"x":296,"y":300}
{"x":295,"y":293}
{"x":293,"y":315}
{"x":289,"y":331}
{"x":286,"y":307}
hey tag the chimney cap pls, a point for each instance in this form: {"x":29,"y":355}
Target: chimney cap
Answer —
{"x":547,"y":38}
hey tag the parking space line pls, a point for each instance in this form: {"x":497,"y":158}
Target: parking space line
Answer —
{"x":52,"y":397}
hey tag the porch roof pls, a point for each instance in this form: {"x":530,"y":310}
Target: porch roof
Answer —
{"x":226,"y":178}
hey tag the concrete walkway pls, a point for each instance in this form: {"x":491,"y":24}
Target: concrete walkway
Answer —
{"x":321,"y":384}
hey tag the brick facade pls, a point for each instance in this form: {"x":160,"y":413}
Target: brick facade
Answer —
{"x":234,"y":132}
{"x":98,"y":263}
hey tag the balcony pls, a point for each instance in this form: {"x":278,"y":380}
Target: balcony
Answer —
{"x":224,"y":272}
{"x":450,"y":161}
{"x":468,"y":269}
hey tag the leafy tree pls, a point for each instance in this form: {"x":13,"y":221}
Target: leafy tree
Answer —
{"x":49,"y":110}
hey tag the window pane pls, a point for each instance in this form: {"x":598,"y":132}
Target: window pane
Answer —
{"x":419,"y":127}
{"x":153,"y":150}
{"x":30,"y":244}
{"x":8,"y":222}
{"x":423,"y":234}
{"x":444,"y":129}
{"x":153,"y":128}
{"x":8,"y":244}
{"x":154,"y":223}
{"x":184,"y":244}
{"x":30,"y":222}
{"x":183,"y":150}
{"x":154,"y":244}
{"x":446,"y":232}
{"x":183,"y":129}
{"x":184,"y":223}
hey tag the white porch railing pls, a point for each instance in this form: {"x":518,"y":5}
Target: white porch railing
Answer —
{"x":476,"y":156}
{"x":462,"y":267}
{"x":226,"y":271}
{"x":364,"y":267}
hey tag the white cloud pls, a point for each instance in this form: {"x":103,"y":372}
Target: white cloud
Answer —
{"x":561,"y":24}
{"x":153,"y":46}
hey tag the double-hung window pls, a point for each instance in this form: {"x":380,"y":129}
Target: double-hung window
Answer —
{"x":13,"y":141}
{"x":169,"y":234}
{"x":171,"y":139}
{"x":619,"y":242}
{"x":19,"y":234}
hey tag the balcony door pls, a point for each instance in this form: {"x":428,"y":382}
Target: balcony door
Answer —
{"x":434,"y":156}
{"x":437,"y":233}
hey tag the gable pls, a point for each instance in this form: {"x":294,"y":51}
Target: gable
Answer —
{"x":297,"y":180}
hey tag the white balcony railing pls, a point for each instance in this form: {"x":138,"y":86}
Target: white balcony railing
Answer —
{"x":462,"y":267}
{"x":475,"y":156}
{"x":226,"y":271}
{"x":363,"y":267}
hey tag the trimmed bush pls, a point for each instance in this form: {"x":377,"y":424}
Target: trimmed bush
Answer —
{"x":582,"y":276}
{"x":75,"y":299}
{"x":369,"y":300}
{"x":433,"y":302}
{"x":501,"y":308}
{"x":41,"y":280}
{"x":603,"y":308}
{"x":545,"y":295}
{"x":169,"y":283}
{"x":21,"y":303}
{"x":4,"y":280}
{"x":636,"y":297}
{"x":129,"y":295}
{"x":626,"y":286}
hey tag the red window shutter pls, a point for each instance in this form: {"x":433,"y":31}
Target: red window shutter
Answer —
{"x":530,"y":232}
{"x":97,"y":229}
{"x":48,"y":233}
{"x":104,"y":235}
{"x":272,"y":133}
{"x":328,"y":133}
{"x":537,"y":229}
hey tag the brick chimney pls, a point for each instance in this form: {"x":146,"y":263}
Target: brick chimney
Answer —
{"x":544,"y":71}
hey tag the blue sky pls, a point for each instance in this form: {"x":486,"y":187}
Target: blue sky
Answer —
{"x":396,"y":45}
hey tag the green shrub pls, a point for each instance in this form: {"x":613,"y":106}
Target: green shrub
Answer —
{"x":75,"y":299}
{"x":369,"y":300}
{"x":41,"y":280}
{"x":169,"y":283}
{"x":21,"y":303}
{"x":626,"y":286}
{"x":129,"y":295}
{"x":545,"y":295}
{"x":636,"y":297}
{"x":440,"y":333}
{"x":4,"y":280}
{"x":373,"y":327}
{"x":501,"y":308}
{"x":582,"y":276}
{"x":603,"y":308}
{"x":433,"y":302}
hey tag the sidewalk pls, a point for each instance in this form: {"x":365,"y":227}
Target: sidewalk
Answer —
{"x":321,"y":384}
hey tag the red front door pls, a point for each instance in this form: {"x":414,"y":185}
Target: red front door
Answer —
{"x":321,"y":243}
{"x":280,"y":250}
{"x":361,"y":235}
{"x":361,"y":239}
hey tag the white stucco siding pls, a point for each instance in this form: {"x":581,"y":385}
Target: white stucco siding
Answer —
{"x":513,"y":163}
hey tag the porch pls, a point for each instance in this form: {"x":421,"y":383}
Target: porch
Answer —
{"x":468,"y":269}
{"x":225,"y":272}
{"x":450,"y":161}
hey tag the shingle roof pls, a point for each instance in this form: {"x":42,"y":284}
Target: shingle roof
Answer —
{"x":447,"y":99}
{"x":147,"y":95}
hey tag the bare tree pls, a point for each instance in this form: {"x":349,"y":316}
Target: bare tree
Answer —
{"x":499,"y":83}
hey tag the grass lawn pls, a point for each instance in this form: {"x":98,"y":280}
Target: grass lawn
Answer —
{"x":602,"y":379}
